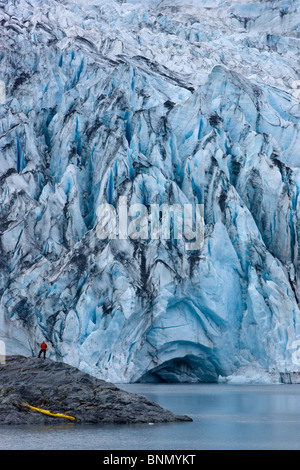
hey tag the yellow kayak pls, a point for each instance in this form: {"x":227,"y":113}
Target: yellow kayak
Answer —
{"x":49,"y":413}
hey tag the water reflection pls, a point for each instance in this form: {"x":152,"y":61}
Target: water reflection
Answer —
{"x":224,"y":417}
{"x":50,"y":427}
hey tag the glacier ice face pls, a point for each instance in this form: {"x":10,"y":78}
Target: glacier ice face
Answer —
{"x":166,"y":102}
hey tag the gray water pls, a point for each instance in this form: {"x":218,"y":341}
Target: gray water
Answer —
{"x":225,"y":417}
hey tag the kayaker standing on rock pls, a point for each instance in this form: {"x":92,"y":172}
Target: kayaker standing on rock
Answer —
{"x":43,"y":349}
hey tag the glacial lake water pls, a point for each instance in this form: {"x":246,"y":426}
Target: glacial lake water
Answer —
{"x":225,"y":417}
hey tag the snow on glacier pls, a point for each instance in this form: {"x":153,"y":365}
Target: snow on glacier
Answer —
{"x":162,"y":102}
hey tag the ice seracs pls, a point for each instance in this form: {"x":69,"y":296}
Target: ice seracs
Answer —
{"x":166,"y":103}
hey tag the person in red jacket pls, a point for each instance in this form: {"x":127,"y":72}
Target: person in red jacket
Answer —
{"x":43,"y":349}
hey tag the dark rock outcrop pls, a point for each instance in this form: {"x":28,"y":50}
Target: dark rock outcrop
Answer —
{"x":61,"y":388}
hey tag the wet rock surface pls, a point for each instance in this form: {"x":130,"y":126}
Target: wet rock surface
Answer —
{"x":61,"y":388}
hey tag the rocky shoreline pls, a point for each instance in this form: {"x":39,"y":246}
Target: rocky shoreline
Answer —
{"x":61,"y":388}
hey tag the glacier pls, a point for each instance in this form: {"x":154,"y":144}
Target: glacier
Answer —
{"x":161,"y":102}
